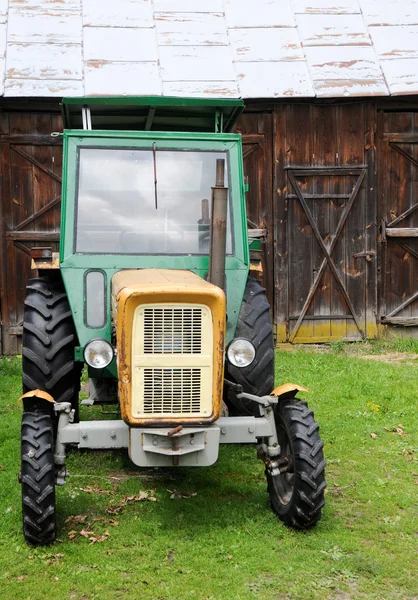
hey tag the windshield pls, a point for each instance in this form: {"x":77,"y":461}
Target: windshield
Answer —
{"x":146,"y":201}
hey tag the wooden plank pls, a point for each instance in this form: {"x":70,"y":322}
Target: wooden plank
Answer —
{"x":302,"y":274}
{"x":318,"y":170}
{"x":33,"y":235}
{"x":280,"y":248}
{"x":402,"y":232}
{"x":403,"y":138}
{"x":403,"y":321}
{"x":31,"y":140}
{"x":370,"y":228}
{"x":35,"y":162}
{"x":402,"y":306}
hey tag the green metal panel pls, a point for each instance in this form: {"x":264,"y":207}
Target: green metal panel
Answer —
{"x":73,"y":265}
{"x":156,"y":113}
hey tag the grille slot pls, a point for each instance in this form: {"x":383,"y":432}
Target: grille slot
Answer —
{"x":172,"y":330}
{"x":172,"y":391}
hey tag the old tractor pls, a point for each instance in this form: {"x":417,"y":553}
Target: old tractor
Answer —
{"x":152,"y":291}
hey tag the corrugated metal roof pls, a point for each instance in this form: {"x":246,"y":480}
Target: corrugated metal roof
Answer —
{"x":209,"y":48}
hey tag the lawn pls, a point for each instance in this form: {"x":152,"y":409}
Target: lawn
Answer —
{"x":209,"y":533}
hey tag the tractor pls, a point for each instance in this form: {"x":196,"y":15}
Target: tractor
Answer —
{"x":155,"y":293}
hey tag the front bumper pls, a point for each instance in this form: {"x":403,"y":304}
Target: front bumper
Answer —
{"x":191,"y":446}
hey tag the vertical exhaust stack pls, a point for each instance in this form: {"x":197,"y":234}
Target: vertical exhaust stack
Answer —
{"x":217,"y":251}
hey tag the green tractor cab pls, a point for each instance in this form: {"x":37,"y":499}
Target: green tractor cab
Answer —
{"x":152,"y":291}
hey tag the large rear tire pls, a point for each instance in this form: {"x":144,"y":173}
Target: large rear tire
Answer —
{"x":297,"y":496}
{"x":254,"y":324}
{"x":49,"y":338}
{"x":37,"y":478}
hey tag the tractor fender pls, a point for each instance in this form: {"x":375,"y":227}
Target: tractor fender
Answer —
{"x":287,"y":390}
{"x":38,"y":398}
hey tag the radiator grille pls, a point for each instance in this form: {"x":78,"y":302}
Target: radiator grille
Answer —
{"x":172,"y":330}
{"x":172,"y":391}
{"x":172,"y":361}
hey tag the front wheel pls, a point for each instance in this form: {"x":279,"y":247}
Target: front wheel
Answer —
{"x":297,"y":495}
{"x":37,"y":478}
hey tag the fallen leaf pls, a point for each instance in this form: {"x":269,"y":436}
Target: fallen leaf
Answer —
{"x":72,"y":534}
{"x":399,"y":431}
{"x":21,"y":577}
{"x":176,"y":495}
{"x":115,"y":510}
{"x":95,"y":540}
{"x":76,"y":519}
{"x":96,"y":489}
{"x":85,"y":533}
{"x":373,"y":435}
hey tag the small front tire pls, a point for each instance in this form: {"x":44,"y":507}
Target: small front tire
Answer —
{"x":37,"y":478}
{"x":297,"y":495}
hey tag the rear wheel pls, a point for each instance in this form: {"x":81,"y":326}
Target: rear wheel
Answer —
{"x":37,"y":478}
{"x":297,"y":495}
{"x":255,"y":325}
{"x":49,"y":339}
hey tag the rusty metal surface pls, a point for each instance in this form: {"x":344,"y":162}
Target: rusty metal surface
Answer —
{"x":287,"y":388}
{"x":217,"y":249}
{"x":130,"y":288}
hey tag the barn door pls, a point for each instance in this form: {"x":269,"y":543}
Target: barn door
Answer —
{"x":326,"y":224}
{"x":330,"y":304}
{"x":399,"y":233}
{"x":30,"y":167}
{"x":257,"y":134}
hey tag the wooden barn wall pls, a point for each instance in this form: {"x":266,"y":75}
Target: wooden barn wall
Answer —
{"x":334,"y":185}
{"x":30,"y":187}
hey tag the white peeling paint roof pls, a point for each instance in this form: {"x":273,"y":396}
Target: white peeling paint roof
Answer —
{"x":221,"y":48}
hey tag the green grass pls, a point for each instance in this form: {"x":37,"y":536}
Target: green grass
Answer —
{"x":224,"y":542}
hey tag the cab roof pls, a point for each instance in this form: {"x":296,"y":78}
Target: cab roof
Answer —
{"x":152,"y":113}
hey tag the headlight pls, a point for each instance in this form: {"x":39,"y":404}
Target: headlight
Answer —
{"x":98,"y":354}
{"x":241,"y":353}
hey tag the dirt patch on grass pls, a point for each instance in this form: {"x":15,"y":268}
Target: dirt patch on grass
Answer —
{"x":391,"y":357}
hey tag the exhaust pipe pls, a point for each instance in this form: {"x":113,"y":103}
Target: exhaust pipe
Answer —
{"x":217,"y":250}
